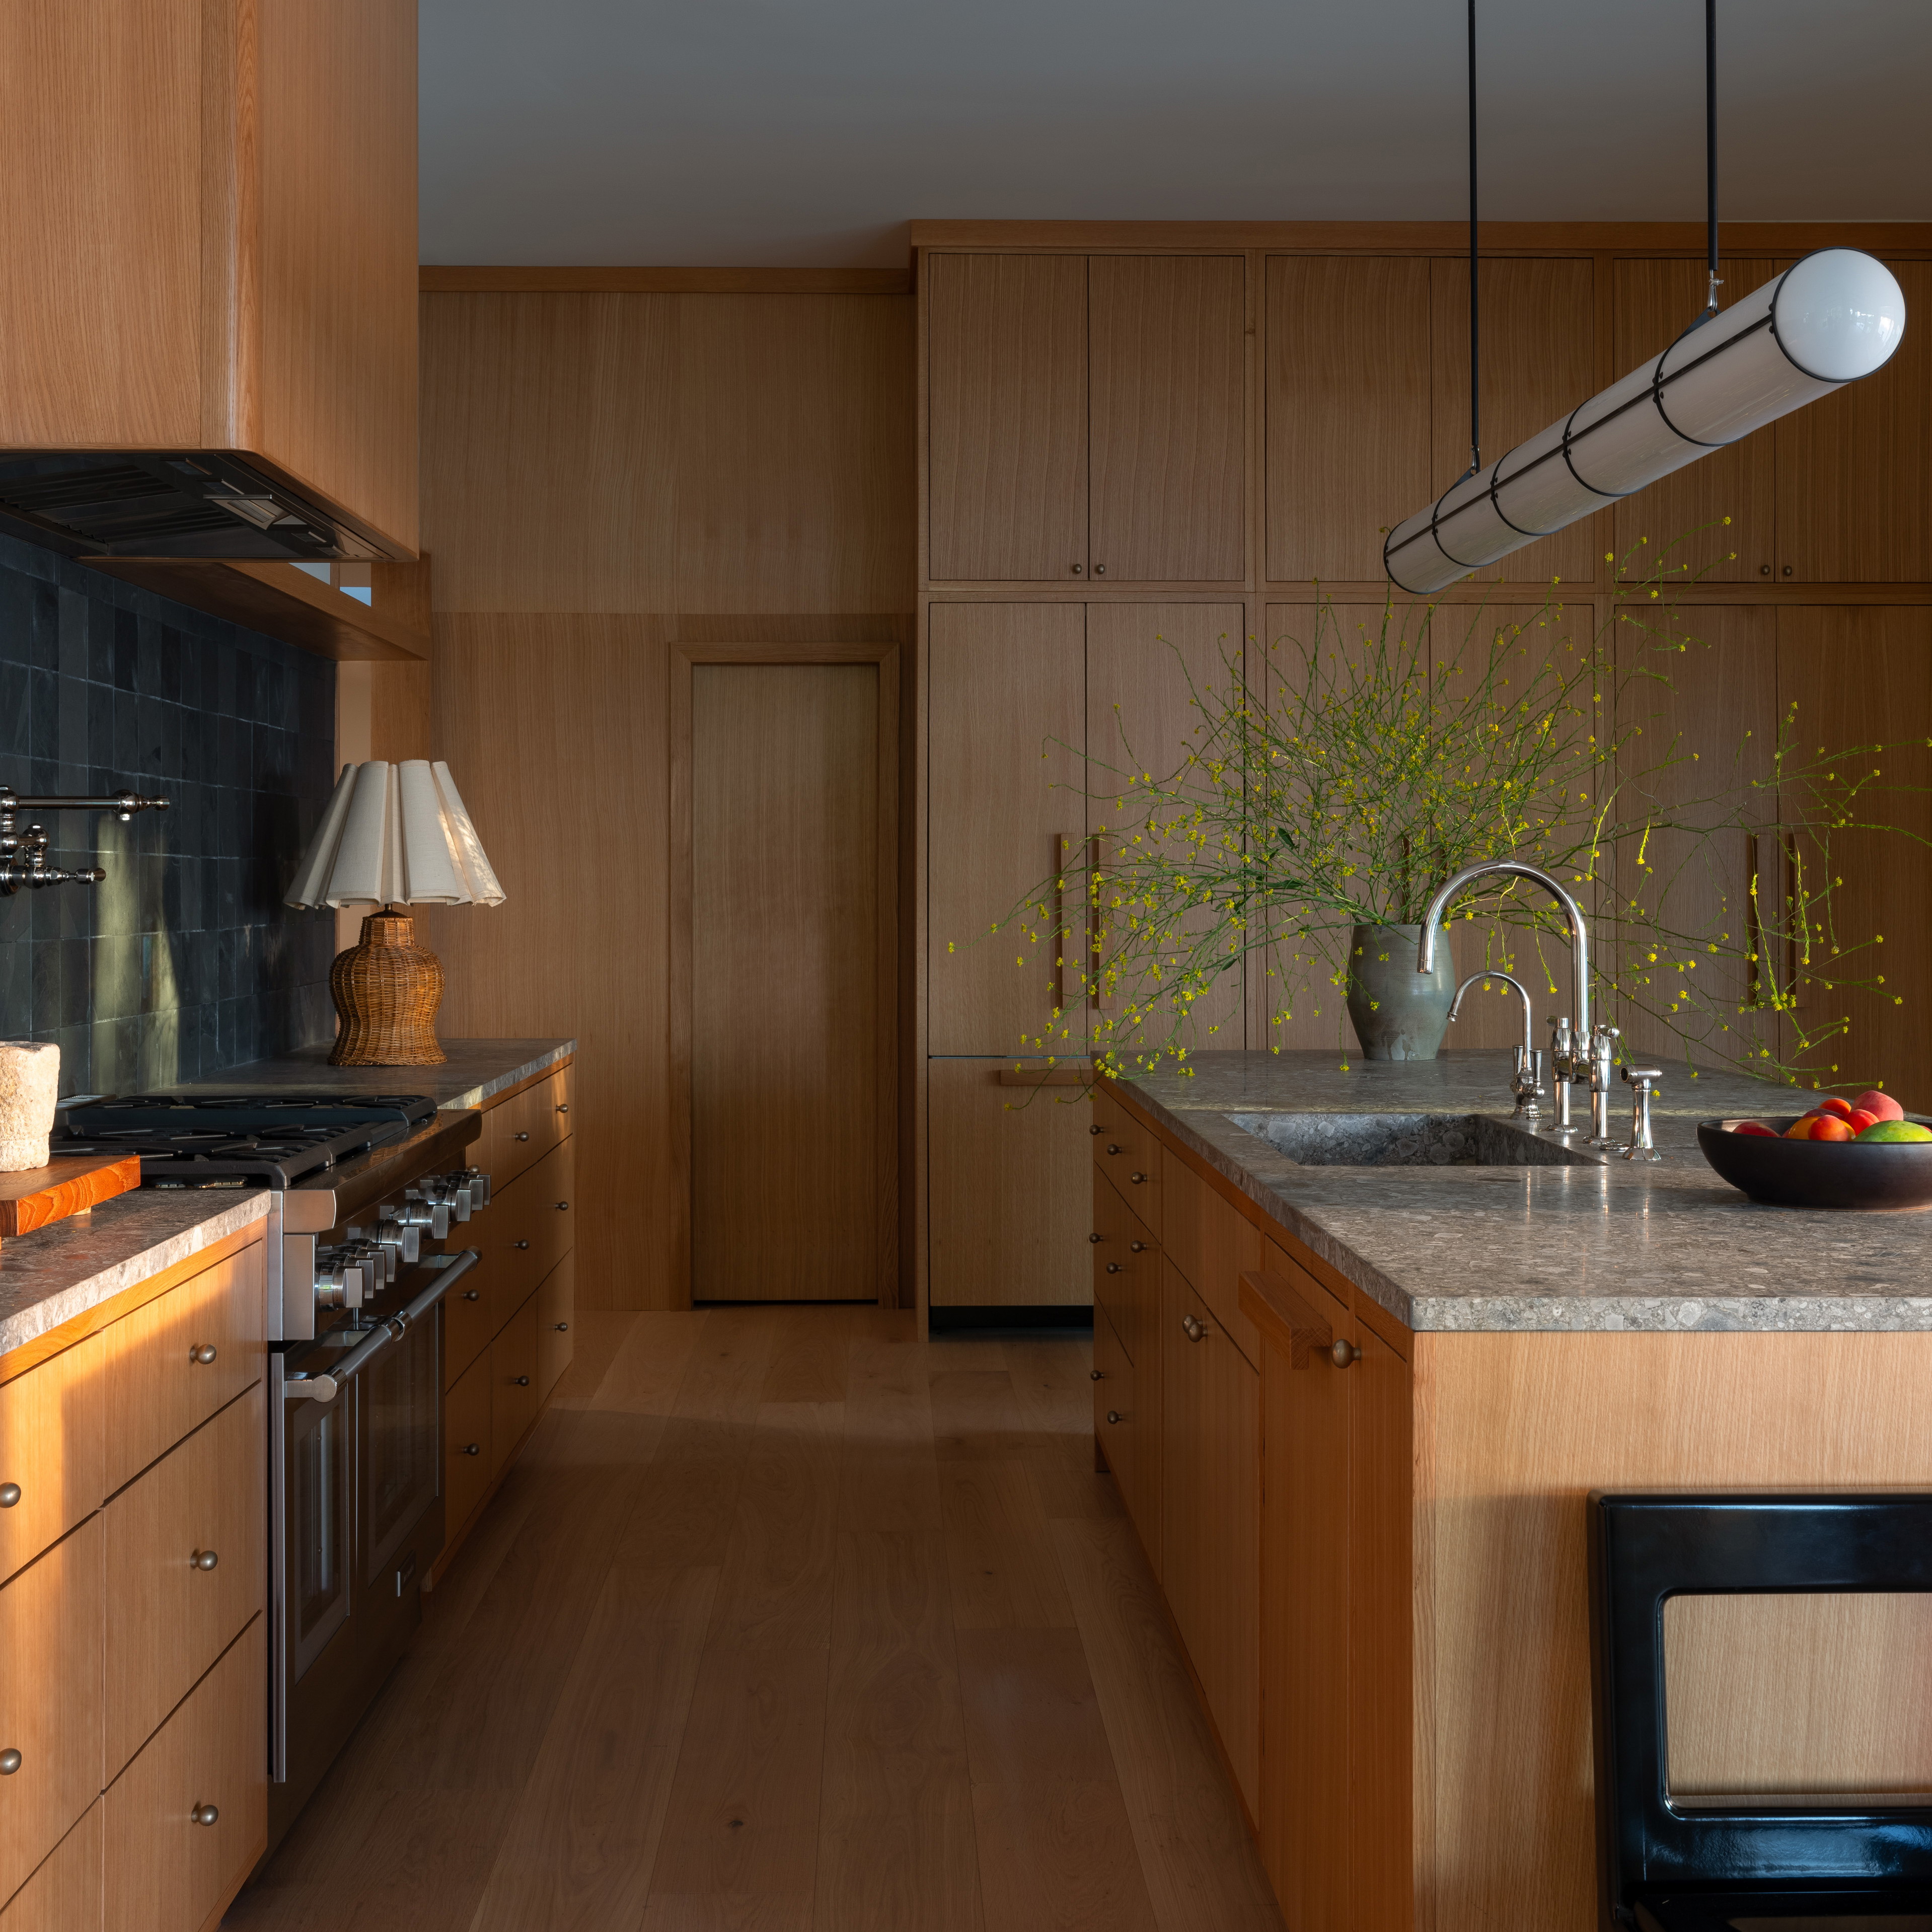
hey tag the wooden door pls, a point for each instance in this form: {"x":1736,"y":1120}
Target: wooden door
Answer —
{"x":788,"y":1199}
{"x":1539,"y":359}
{"x":1347,"y":411}
{"x":1007,"y":794}
{"x":1167,"y":456}
{"x":1855,"y":468}
{"x":1146,"y":664}
{"x":1006,"y":417}
{"x":1009,"y":1195}
{"x":1651,"y":302}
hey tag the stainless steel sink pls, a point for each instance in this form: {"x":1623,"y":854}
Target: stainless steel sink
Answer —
{"x":1406,"y":1140}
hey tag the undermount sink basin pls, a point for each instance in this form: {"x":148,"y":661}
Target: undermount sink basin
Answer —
{"x":1405,"y":1140}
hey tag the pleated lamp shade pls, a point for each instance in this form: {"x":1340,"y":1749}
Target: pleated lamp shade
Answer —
{"x":393,"y":835}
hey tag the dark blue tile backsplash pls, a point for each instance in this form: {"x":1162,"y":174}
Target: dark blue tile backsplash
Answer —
{"x":184,"y":960}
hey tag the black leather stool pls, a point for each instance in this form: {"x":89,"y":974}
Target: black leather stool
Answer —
{"x":1774,"y":1865}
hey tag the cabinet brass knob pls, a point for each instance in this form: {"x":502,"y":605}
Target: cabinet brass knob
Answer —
{"x":1096,"y":1374}
{"x":203,"y":1559}
{"x":1787,"y":570}
{"x":1344,"y":1353}
{"x":1093,"y":1238}
{"x":1764,"y":570}
{"x":563,"y":1106}
{"x":1193,"y":1329}
{"x":472,"y":1294}
{"x":204,"y":1814}
{"x":1094,"y":1130}
{"x":523,"y":1137}
{"x":1114,"y":1415}
{"x":563,"y":1207}
{"x":520,"y":1382}
{"x":1113,"y":1267}
{"x":473,"y":1448}
{"x":1137,"y":1247}
{"x":203,"y":1352}
{"x":10,"y":1494}
{"x":1099,"y":570}
{"x":10,"y":1762}
{"x":519,"y":1244}
{"x":1137,"y":1178}
{"x":562,"y":1327}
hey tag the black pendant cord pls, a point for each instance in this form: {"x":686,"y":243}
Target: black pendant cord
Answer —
{"x":1475,"y":306}
{"x":1710,"y":160}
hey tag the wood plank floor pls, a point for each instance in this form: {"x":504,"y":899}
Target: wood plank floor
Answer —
{"x":784,"y":1622}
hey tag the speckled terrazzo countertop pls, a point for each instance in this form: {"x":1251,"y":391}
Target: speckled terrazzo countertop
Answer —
{"x":57,"y":1272}
{"x":1610,"y":1246}
{"x":475,"y":1069}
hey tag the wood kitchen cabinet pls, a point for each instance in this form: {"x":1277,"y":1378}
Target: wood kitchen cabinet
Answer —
{"x":213,"y":248}
{"x":1087,"y":418}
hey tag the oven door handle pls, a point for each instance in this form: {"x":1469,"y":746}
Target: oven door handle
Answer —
{"x":325,"y":1388}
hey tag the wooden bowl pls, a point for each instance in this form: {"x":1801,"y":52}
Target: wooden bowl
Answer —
{"x":1820,"y":1173}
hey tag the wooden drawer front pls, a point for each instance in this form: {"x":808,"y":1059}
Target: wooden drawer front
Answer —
{"x":1309,"y":1286}
{"x":167,"y":1619}
{"x":1212,"y":1244}
{"x":50,"y":1699}
{"x":64,"y":1894}
{"x":525,"y":1230}
{"x":473,"y":1310}
{"x":1116,"y":1424}
{"x":1130,"y":1157}
{"x":52,"y":1450}
{"x":526,"y":1126}
{"x":556,"y":1322}
{"x":165,"y":1872}
{"x":158,"y":1388}
{"x":1126,"y":1269}
{"x":467,"y":1435}
{"x":514,"y":1397}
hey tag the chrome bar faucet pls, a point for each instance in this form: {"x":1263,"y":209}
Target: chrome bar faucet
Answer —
{"x":1579,"y":1018}
{"x":1526,"y":1084}
{"x":1603,"y":1056}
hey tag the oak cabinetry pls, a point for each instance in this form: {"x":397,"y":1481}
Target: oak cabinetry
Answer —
{"x":1022,"y":487}
{"x":556,"y":1313}
{"x":466,"y":1459}
{"x":53,"y":1438}
{"x":1126,"y":1269}
{"x":514,"y":1397}
{"x":65,"y":1893}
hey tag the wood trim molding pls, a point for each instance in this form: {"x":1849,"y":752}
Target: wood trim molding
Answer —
{"x":513,"y":279}
{"x":1447,"y":237}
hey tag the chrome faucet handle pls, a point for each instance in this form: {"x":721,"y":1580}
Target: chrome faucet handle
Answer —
{"x":1603,"y":1057}
{"x":1527,"y":1083}
{"x":1641,"y":1147}
{"x":1563,"y":1070}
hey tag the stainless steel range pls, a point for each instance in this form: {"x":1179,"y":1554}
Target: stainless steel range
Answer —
{"x":370,"y":1193}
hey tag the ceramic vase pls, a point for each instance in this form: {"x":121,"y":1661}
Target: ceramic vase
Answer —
{"x":1399,"y":1014}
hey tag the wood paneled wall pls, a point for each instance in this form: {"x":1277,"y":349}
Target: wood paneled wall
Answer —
{"x":608,"y":476}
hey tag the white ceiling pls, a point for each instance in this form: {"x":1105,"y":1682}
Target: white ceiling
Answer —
{"x":700,"y":133}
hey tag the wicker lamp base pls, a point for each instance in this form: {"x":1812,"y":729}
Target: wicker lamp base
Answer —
{"x":386,"y":991}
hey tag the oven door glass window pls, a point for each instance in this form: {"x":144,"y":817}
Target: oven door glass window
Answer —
{"x":321,"y":1522}
{"x":402,"y":1458}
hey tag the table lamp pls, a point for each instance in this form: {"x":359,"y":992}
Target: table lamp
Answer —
{"x":393,"y":835}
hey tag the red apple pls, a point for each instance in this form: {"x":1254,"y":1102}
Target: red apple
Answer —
{"x":1881,"y":1104}
{"x":1831,"y":1104}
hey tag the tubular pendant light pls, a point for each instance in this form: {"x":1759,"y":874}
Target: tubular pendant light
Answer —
{"x":1827,"y":320}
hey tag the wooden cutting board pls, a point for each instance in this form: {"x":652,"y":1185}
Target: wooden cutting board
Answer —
{"x":38,"y":1195}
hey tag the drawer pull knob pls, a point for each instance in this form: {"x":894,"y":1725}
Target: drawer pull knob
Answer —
{"x":563,"y":1106}
{"x":1096,"y":1374}
{"x":203,"y":1559}
{"x":1137,"y":1247}
{"x":519,"y":1244}
{"x":523,"y":1137}
{"x":472,"y":1294}
{"x":473,"y":1448}
{"x":563,"y":1207}
{"x":1193,"y":1329}
{"x":1093,"y":1237}
{"x":204,"y":1814}
{"x":520,"y":1382}
{"x":1093,"y":1130}
{"x":10,"y":1762}
{"x":203,"y":1352}
{"x":1113,"y":1147}
{"x":563,"y":1327}
{"x":1137,"y":1178}
{"x":10,"y":1494}
{"x":1113,"y":1267}
{"x":1344,"y":1353}
{"x":1114,"y":1415}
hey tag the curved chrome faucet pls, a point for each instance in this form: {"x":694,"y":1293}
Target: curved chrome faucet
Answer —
{"x":1527,"y":1085}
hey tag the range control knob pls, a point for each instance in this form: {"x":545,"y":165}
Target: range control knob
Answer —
{"x":402,"y":1237}
{"x":429,"y":1210}
{"x":346,"y":1276}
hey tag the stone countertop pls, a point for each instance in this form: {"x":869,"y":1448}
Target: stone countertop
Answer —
{"x":476,"y":1070}
{"x":57,"y":1272}
{"x":1611,"y":1245}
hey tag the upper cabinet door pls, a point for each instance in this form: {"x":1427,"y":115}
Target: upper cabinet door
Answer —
{"x":1854,"y":469}
{"x":1347,"y":411}
{"x":1651,"y":303}
{"x":1539,"y":361}
{"x":1007,"y":425}
{"x":1167,"y":338}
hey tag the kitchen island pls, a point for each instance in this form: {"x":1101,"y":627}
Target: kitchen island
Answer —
{"x":1355,"y":1412}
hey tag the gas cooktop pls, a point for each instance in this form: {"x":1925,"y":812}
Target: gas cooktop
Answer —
{"x":237,"y":1140}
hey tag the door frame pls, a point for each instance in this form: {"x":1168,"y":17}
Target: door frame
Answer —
{"x":685,"y":659}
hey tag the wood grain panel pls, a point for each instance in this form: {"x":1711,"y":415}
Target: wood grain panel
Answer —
{"x":100,"y":110}
{"x":466,"y":1442}
{"x":1006,"y":452}
{"x":1009,"y":1208}
{"x":156,"y":1390}
{"x":1167,"y":389}
{"x":168,"y":1620}
{"x":165,"y":1873}
{"x":1348,"y":403}
{"x":1145,"y":664}
{"x":50,"y":1699}
{"x":1006,"y":701}
{"x":1126,"y":1271}
{"x":1512,"y":1432}
{"x":1212,"y":1244}
{"x":556,"y":1323}
{"x":540,"y":278}
{"x":53,"y":1436}
{"x":335,"y":91}
{"x":63,"y":1895}
{"x":784,"y":992}
{"x":1652,"y":304}
{"x":32,"y":1198}
{"x":513,"y":1397}
{"x":1539,"y":361}
{"x":1864,"y":677}
{"x":1855,"y":468}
